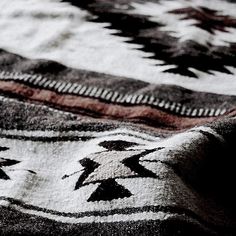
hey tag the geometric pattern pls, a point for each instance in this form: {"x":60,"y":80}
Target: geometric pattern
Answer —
{"x":184,"y":56}
{"x":115,"y":143}
{"x":202,"y":107}
{"x":115,"y":162}
{"x":125,"y":175}
{"x":5,"y":163}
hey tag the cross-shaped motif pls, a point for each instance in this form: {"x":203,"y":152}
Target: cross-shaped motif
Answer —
{"x":116,"y":162}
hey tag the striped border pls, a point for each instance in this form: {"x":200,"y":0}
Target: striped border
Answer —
{"x":109,"y":95}
{"x":152,"y":212}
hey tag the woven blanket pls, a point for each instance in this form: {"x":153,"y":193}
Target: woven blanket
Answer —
{"x":118,"y":117}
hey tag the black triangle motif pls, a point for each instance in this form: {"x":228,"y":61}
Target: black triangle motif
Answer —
{"x":3,"y":148}
{"x":5,"y":162}
{"x":89,"y":167}
{"x":109,"y":189}
{"x":3,"y":175}
{"x":8,"y":162}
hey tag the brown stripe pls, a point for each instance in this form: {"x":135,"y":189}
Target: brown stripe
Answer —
{"x":96,"y":108}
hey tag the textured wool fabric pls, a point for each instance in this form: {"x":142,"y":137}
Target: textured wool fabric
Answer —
{"x":118,"y":117}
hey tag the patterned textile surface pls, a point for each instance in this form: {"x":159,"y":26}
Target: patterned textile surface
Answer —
{"x":117,"y":117}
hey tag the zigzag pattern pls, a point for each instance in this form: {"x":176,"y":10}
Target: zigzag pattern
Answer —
{"x":110,"y":96}
{"x":184,"y":57}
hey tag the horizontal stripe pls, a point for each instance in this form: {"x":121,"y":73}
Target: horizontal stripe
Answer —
{"x":110,"y":96}
{"x":126,"y":214}
{"x":96,"y":108}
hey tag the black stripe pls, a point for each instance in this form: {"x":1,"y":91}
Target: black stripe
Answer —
{"x":123,"y":85}
{"x":126,"y":211}
{"x":15,"y":222}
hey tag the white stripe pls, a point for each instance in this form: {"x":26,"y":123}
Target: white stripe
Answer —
{"x":46,"y":83}
{"x":77,"y":89}
{"x":72,"y":88}
{"x":194,"y":112}
{"x":38,"y":79}
{"x":217,"y":112}
{"x":2,"y":73}
{"x":115,"y":95}
{"x":94,"y":90}
{"x":173,"y":106}
{"x":178,"y":107}
{"x":52,"y":84}
{"x":98,"y":93}
{"x":167,"y":105}
{"x":206,"y":112}
{"x":183,"y":109}
{"x":161,"y":104}
{"x":139,"y":98}
{"x":212,"y":111}
{"x":33,"y":77}
{"x":120,"y":98}
{"x":104,"y":93}
{"x":82,"y":90}
{"x":133,"y":100}
{"x":156,"y":102}
{"x":87,"y":93}
{"x":188,"y":112}
{"x":26,"y":77}
{"x":42,"y":81}
{"x":151,"y":99}
{"x":223,"y":111}
{"x":58,"y":84}
{"x":128,"y":98}
{"x":63,"y":84}
{"x":145,"y":99}
{"x":121,"y":131}
{"x":200,"y":111}
{"x":148,"y":215}
{"x":108,"y":96}
{"x":66,"y":87}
